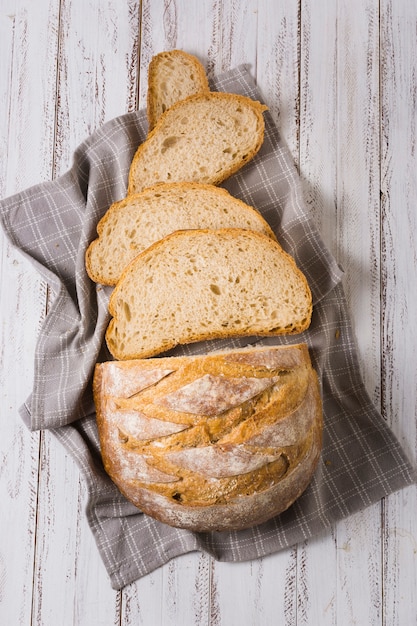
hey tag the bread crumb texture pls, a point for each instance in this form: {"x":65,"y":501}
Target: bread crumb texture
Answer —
{"x":204,"y":138}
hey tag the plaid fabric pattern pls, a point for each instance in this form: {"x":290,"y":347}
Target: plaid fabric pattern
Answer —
{"x":53,"y":223}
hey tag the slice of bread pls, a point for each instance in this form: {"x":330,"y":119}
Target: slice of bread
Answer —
{"x":204,"y":138}
{"x":133,"y":224}
{"x":172,"y":76}
{"x":205,"y":284}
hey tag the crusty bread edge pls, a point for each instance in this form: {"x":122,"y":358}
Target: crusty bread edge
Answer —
{"x":257,"y":106}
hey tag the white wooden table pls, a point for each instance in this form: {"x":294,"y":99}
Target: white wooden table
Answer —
{"x":340,"y":77}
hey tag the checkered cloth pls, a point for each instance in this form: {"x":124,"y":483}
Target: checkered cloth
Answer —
{"x":52,"y":223}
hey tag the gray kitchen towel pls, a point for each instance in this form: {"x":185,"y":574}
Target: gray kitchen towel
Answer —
{"x":53,"y":223}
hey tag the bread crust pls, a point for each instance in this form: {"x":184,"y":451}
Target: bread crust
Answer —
{"x":186,"y":106}
{"x":231,"y":482}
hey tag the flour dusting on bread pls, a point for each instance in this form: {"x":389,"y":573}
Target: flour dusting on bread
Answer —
{"x":236,"y":463}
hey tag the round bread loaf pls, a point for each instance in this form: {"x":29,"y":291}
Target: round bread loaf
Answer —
{"x":223,"y":441}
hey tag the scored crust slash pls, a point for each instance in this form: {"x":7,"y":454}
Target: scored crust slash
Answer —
{"x":216,"y":442}
{"x":224,"y":440}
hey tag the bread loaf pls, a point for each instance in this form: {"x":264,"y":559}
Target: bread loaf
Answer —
{"x":172,"y":76}
{"x":216,"y":442}
{"x":204,"y":138}
{"x":133,"y":224}
{"x":205,"y":284}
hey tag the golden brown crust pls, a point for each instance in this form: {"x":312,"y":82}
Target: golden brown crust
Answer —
{"x":209,"y":472}
{"x":240,"y":513}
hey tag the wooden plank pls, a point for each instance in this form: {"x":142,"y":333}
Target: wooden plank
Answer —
{"x":184,"y":581}
{"x":263,"y":590}
{"x":278,"y":66}
{"x":358,"y":183}
{"x":97,"y":57}
{"x":28,"y":85}
{"x":358,"y":539}
{"x":301,"y":71}
{"x":399,"y":277}
{"x":24,"y":33}
{"x":318,"y":146}
{"x":317,"y":161}
{"x":240,"y":592}
{"x":339,"y":156}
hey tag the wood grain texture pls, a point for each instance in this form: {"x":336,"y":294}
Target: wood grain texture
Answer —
{"x":399,"y":277}
{"x":278,"y":66}
{"x":96,"y":55}
{"x":358,"y":178}
{"x":319,"y":112}
{"x":28,"y":82}
{"x":358,"y":539}
{"x":22,"y":297}
{"x":96,"y":79}
{"x":341,"y":82}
